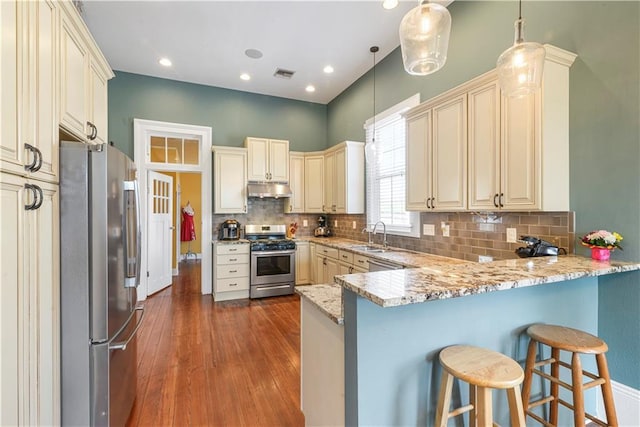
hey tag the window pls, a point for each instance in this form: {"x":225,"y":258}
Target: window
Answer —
{"x":386,"y":171}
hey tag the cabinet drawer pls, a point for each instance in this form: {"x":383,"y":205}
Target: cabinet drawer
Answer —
{"x":234,"y":284}
{"x":361,"y":262}
{"x":223,"y":249}
{"x":232,"y":259}
{"x":346,"y":256}
{"x":231,"y":271}
{"x":326,"y":251}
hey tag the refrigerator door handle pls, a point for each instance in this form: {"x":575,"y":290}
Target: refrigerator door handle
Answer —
{"x":132,"y":278}
{"x":122,"y":345}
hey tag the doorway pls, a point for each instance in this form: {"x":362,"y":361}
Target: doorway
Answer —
{"x":184,"y":150}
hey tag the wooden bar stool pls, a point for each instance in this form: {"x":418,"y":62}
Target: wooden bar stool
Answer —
{"x":483,"y":370}
{"x":577,"y":342}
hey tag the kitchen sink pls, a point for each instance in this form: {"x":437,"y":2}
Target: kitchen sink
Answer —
{"x":368,"y":248}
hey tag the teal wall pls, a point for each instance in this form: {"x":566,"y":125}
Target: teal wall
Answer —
{"x":232,"y":115}
{"x":604,"y":125}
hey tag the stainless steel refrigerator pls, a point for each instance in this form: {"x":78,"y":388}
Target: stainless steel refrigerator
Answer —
{"x":100,"y":270}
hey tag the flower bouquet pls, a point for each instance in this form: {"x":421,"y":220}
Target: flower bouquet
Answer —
{"x":601,"y":242}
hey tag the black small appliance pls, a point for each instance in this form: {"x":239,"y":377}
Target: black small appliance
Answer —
{"x":229,"y":230}
{"x":322,"y":230}
{"x":536,"y":247}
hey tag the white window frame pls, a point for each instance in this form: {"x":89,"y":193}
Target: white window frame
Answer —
{"x":373,"y":214}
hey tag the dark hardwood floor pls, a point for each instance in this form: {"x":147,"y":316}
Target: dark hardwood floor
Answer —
{"x":232,"y":363}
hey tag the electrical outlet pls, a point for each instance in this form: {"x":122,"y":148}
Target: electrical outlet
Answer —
{"x":445,"y":231}
{"x":353,"y":225}
{"x":485,"y":258}
{"x":335,"y":223}
{"x":429,"y":229}
{"x":305,"y":223}
{"x":512,"y":235}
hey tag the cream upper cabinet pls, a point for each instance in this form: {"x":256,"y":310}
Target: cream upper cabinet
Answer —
{"x":295,"y":203}
{"x":268,"y":159}
{"x":344,"y":178}
{"x":484,"y":147}
{"x":313,"y":182}
{"x":83,"y":76}
{"x":230,"y":180}
{"x":519,"y":147}
{"x":437,"y":155}
{"x":29,"y":128}
{"x":30,"y":302}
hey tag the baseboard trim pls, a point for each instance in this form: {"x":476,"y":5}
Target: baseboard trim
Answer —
{"x":627,"y":401}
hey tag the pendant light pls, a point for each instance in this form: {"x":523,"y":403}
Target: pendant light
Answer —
{"x":520,"y":67}
{"x":424,"y":38}
{"x":370,"y":146}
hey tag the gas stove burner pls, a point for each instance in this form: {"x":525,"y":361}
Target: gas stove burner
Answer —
{"x":272,"y":245}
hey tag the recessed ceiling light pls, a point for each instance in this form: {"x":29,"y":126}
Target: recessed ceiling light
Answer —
{"x":166,"y":62}
{"x":389,"y":4}
{"x":328,"y":69}
{"x":245,"y":76}
{"x":310,"y":88}
{"x":253,"y":53}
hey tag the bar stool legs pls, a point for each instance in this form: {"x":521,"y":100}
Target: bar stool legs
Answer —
{"x":577,"y":342}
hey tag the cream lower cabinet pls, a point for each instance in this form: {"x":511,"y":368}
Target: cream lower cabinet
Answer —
{"x":84,"y":73}
{"x":295,"y":203}
{"x":351,"y":263}
{"x":29,"y":303}
{"x":437,"y":155}
{"x":28,"y":108}
{"x":327,"y":264}
{"x":230,"y":271}
{"x":303,"y":263}
{"x":229,"y":180}
{"x":314,"y":182}
{"x":312,"y":263}
{"x":519,"y":147}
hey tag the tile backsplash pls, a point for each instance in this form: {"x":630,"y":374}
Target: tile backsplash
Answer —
{"x":470,"y":235}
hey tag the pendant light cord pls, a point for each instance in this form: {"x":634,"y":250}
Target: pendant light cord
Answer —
{"x":520,"y":9}
{"x":373,"y":50}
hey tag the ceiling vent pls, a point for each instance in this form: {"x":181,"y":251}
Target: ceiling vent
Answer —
{"x":283,"y":74}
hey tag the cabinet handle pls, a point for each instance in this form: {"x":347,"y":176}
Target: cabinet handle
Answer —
{"x":428,"y":200}
{"x":324,"y":261}
{"x":500,"y":200}
{"x":433,"y":205}
{"x":36,"y":164}
{"x":245,"y":208}
{"x":233,"y":271}
{"x":232,"y":250}
{"x":361,"y":261}
{"x":233,"y":284}
{"x":344,"y":256}
{"x":495,"y":203}
{"x":350,"y":269}
{"x":290,"y":208}
{"x":233,"y":259}
{"x":94,"y":131}
{"x":37,"y":197}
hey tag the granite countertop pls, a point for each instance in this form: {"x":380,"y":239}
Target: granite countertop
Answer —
{"x":410,"y":286}
{"x":229,"y":242}
{"x":327,"y":298}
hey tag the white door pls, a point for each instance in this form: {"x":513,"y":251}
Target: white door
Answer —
{"x":160,"y":207}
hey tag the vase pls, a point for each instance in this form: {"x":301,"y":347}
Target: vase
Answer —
{"x":600,"y":254}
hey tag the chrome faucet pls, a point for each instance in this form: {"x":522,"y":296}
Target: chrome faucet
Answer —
{"x":384,"y":231}
{"x":366,"y":229}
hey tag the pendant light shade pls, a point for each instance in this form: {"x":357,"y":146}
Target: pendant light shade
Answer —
{"x":424,"y":38}
{"x":520,"y":67}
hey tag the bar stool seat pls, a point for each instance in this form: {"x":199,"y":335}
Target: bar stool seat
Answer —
{"x":483,"y":370}
{"x":576,"y":342}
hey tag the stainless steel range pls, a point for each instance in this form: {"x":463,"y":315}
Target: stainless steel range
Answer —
{"x":273,"y":261}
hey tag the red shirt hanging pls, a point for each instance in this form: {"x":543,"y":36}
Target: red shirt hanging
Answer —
{"x":188,"y":231}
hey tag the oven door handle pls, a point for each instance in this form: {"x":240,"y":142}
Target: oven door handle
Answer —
{"x":269,"y":253}
{"x":270,"y":287}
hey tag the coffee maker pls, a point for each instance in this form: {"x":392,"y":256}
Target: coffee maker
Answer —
{"x":322,"y":230}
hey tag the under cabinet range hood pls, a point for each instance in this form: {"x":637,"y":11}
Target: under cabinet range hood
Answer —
{"x":270,"y":190}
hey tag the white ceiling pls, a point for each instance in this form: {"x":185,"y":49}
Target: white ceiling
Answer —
{"x":206,"y":41}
